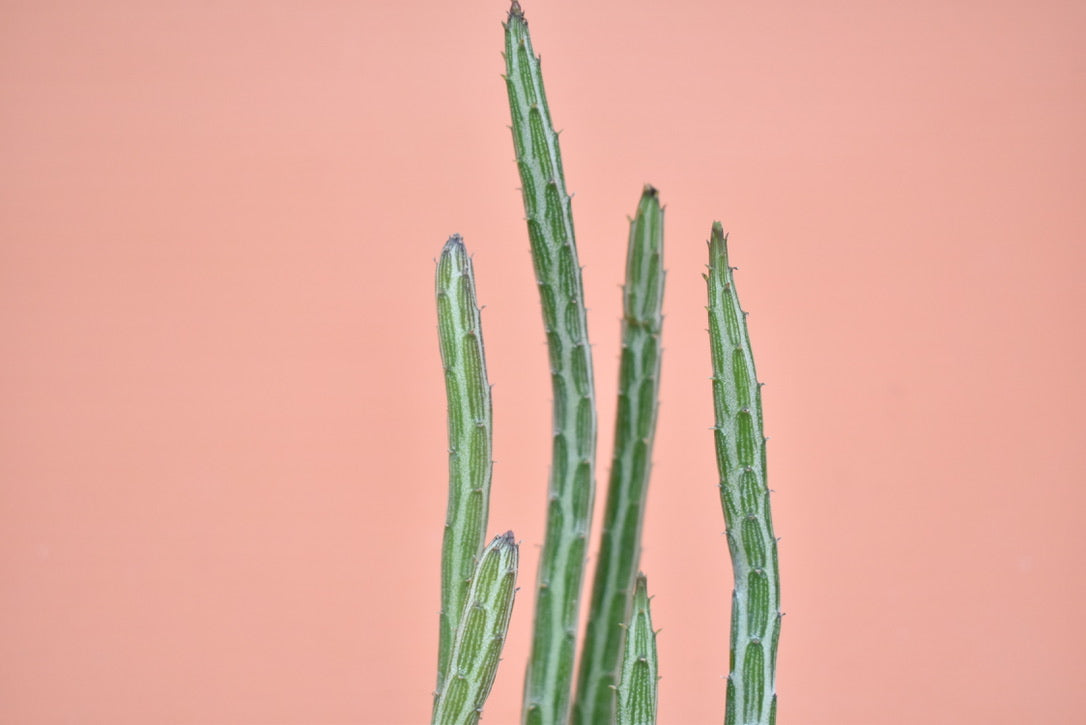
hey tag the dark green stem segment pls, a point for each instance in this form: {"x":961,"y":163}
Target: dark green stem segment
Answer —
{"x":480,"y":635}
{"x":469,"y":412}
{"x":740,"y":456}
{"x":635,"y":427}
{"x":636,"y":690}
{"x":558,"y":275}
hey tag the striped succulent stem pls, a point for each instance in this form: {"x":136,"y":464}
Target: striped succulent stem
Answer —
{"x":561,"y":292}
{"x":635,"y":427}
{"x":480,"y":635}
{"x":740,"y":455}
{"x":469,"y":422}
{"x":636,"y":691}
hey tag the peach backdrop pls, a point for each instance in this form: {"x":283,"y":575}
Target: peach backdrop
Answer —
{"x":222,"y":428}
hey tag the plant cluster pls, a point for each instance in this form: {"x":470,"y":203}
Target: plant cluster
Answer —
{"x":616,"y":679}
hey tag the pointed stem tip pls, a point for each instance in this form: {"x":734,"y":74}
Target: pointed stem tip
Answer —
{"x":455,"y":245}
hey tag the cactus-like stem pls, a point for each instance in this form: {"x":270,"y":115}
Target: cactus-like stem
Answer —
{"x":480,"y":635}
{"x":636,"y":691}
{"x":558,"y":275}
{"x":635,"y":427}
{"x":744,"y":496}
{"x":469,"y":413}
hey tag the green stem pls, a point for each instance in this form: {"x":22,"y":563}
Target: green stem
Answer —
{"x":470,"y":434}
{"x":558,"y":275}
{"x":740,"y":455}
{"x":635,"y":427}
{"x":636,"y":691}
{"x":477,"y":646}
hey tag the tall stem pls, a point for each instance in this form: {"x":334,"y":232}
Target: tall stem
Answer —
{"x":635,"y":428}
{"x":561,"y":292}
{"x":744,"y":496}
{"x":469,"y":414}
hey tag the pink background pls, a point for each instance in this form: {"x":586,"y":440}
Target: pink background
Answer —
{"x":222,"y":429}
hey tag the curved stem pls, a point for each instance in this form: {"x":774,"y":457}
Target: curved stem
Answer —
{"x":470,"y":433}
{"x":558,"y":274}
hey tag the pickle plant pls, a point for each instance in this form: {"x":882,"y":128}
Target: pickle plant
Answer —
{"x":616,"y":679}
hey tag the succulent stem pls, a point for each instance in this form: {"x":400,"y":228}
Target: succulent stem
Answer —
{"x":744,"y":496}
{"x":635,"y":428}
{"x":558,"y":274}
{"x":636,"y":691}
{"x":469,"y":422}
{"x":480,"y":635}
